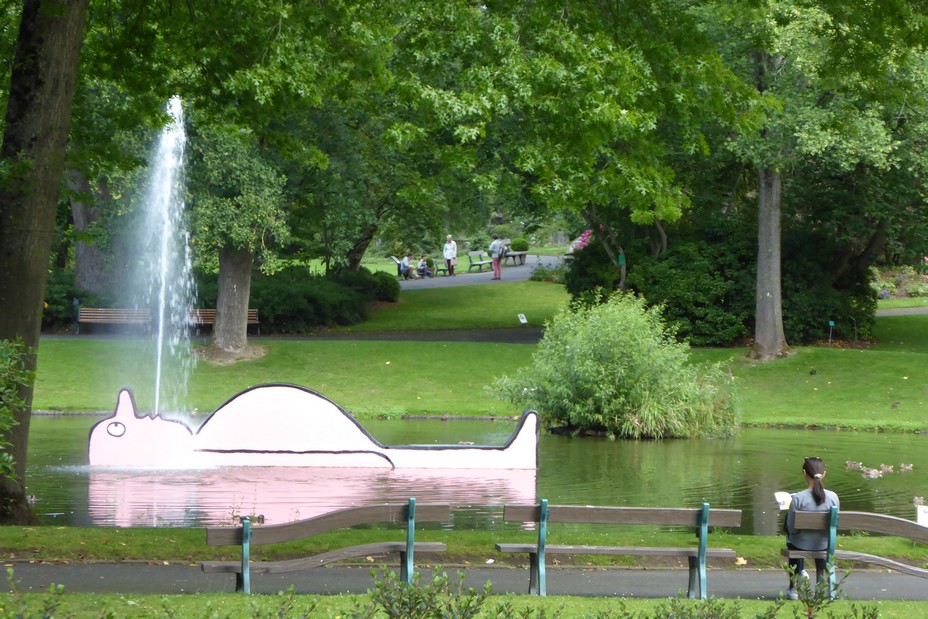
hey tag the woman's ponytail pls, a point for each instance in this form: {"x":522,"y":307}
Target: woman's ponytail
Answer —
{"x":815,"y":469}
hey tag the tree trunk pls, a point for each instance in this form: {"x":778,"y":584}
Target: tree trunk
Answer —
{"x":89,"y":261}
{"x":357,"y":251}
{"x":230,"y":333}
{"x":38,"y":115}
{"x":769,"y":339}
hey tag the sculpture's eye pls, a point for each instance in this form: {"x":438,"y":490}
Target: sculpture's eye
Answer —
{"x":115,"y":429}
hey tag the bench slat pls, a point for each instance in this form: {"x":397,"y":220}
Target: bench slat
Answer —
{"x":325,"y":558}
{"x":208,"y":316}
{"x":864,"y":521}
{"x":115,"y":315}
{"x":662,"y":516}
{"x":342,"y":519}
{"x":644,"y":551}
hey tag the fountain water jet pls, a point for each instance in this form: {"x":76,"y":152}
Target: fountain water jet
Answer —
{"x":164,"y":269}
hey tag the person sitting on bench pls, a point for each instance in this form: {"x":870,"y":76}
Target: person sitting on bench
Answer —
{"x":817,"y":499}
{"x":423,"y":268}
{"x":406,"y":269}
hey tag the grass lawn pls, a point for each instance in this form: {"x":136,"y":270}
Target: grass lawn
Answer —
{"x":902,"y":303}
{"x":468,"y":307}
{"x":236,"y":605}
{"x":884,"y":386}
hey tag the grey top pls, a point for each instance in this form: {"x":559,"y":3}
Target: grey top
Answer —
{"x":808,"y":539}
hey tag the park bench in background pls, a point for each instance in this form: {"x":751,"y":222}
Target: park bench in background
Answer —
{"x":698,"y":518}
{"x":478,"y":259}
{"x":200,"y":317}
{"x":113,"y":316}
{"x":517,"y":257}
{"x":834,"y":521}
{"x":440,"y":266}
{"x":246,"y":536}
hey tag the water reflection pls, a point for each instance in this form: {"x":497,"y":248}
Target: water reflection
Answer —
{"x":284,"y":494}
{"x":741,"y":472}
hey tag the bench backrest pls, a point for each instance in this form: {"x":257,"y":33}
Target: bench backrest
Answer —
{"x":586,"y":514}
{"x":204,"y":316}
{"x":698,"y":518}
{"x":476,"y":255}
{"x":389,"y":513}
{"x":113,"y":314}
{"x":864,"y":521}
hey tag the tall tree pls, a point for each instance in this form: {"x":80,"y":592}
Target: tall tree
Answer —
{"x":238,"y":216}
{"x":601,"y":96}
{"x":822,"y":70}
{"x":38,"y":114}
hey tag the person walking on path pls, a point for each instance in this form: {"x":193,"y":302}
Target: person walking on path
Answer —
{"x":496,"y":255}
{"x":450,"y":252}
{"x":815,"y":499}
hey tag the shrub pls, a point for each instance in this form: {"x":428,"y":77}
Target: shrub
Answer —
{"x":480,"y":241}
{"x":60,"y":296}
{"x":917,"y":290}
{"x":615,"y":368}
{"x":386,"y":287}
{"x":700,"y":289}
{"x":291,"y":301}
{"x":396,"y":599}
{"x":884,"y":288}
{"x":590,"y":269}
{"x":520,"y":243}
{"x":541,"y":273}
{"x":59,"y":300}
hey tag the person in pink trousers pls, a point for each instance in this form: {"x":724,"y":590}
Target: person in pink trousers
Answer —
{"x":496,"y":255}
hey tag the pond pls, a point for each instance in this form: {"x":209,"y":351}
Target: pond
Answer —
{"x":739,"y":472}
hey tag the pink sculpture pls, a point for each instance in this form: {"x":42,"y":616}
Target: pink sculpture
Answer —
{"x":285,"y":425}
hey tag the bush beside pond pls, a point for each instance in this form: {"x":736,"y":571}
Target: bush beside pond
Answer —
{"x":615,"y":368}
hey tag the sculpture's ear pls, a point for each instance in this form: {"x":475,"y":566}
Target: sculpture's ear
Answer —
{"x":125,"y":405}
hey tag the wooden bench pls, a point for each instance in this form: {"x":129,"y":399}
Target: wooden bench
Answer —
{"x":440,"y":266}
{"x":867,"y":522}
{"x":247,"y":536}
{"x":200,"y":317}
{"x":478,"y":259}
{"x":698,"y":518}
{"x":113,"y":316}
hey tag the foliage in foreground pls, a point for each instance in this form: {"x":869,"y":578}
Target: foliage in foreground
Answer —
{"x":13,"y":376}
{"x":614,"y":367}
{"x":390,"y":597}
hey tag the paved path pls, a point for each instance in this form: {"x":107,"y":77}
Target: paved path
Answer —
{"x":600,"y":582}
{"x":511,"y":273}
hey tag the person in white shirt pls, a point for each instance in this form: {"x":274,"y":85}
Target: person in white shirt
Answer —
{"x":450,"y":252}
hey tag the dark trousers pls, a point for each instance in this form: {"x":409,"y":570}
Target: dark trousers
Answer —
{"x":799,"y":564}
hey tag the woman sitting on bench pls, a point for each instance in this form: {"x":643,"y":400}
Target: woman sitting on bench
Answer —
{"x":813,"y":499}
